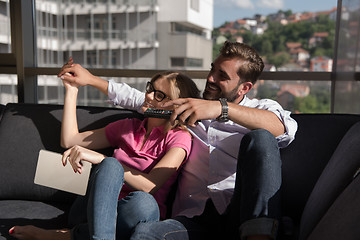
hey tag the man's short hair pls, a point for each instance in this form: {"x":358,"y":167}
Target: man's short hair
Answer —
{"x":252,"y":65}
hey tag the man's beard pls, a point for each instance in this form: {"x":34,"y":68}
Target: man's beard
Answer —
{"x":229,"y":96}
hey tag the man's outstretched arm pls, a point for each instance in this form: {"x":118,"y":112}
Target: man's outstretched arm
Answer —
{"x":193,"y":110}
{"x":119,"y":93}
{"x":75,"y":73}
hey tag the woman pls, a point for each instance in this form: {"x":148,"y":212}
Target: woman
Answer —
{"x":146,"y":160}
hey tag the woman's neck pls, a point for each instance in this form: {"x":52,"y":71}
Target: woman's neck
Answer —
{"x":153,"y":123}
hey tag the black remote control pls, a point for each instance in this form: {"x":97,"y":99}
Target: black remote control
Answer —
{"x":158,"y":113}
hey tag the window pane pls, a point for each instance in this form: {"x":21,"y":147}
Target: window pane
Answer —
{"x":120,"y":34}
{"x":97,"y":35}
{"x":8,"y":90}
{"x":296,"y":96}
{"x":5,"y":31}
{"x":347,"y":85}
{"x":290,"y":36}
{"x":289,"y":39}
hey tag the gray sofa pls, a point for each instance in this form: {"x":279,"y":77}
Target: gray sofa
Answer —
{"x":320,"y":192}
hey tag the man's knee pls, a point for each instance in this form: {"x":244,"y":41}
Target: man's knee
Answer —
{"x":259,"y":136}
{"x":260,"y":141}
{"x":259,"y":152}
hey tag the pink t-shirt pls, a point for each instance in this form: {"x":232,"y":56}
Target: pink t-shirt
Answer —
{"x":127,"y":135}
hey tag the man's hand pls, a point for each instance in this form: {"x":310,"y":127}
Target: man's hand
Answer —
{"x":192,"y":110}
{"x":75,"y":73}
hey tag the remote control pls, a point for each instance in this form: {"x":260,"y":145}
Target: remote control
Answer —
{"x":158,"y":113}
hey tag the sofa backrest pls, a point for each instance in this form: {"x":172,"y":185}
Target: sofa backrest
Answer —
{"x":337,"y":185}
{"x":305,"y":158}
{"x":27,"y":128}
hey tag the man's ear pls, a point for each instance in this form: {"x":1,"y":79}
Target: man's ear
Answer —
{"x":245,"y":87}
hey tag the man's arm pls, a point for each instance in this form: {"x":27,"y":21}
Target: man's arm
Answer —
{"x":251,"y":118}
{"x":119,"y":93}
{"x":75,"y":73}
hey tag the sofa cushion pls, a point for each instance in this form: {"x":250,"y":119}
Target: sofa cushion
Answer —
{"x":341,"y":221}
{"x":18,"y":212}
{"x":27,"y":128}
{"x":305,"y":158}
{"x":337,"y":175}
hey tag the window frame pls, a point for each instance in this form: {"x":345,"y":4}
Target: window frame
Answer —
{"x":22,"y":60}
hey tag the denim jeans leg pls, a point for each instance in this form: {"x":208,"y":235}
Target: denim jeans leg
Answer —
{"x":77,"y":219}
{"x":256,"y":201}
{"x":103,"y":199}
{"x":78,"y":210}
{"x":137,"y":207}
{"x":179,"y":228}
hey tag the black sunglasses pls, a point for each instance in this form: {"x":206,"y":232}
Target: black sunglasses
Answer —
{"x":158,"y":95}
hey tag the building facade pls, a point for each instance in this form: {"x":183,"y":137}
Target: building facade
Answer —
{"x":120,"y":34}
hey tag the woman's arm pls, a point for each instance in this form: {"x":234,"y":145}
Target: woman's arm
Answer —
{"x":70,"y":135}
{"x":162,"y":171}
{"x":76,"y":74}
{"x":119,"y":93}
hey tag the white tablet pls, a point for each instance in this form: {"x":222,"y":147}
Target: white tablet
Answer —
{"x":50,"y":172}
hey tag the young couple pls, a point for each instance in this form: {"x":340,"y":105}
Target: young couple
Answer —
{"x":223,"y":192}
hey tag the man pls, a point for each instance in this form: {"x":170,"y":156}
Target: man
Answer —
{"x":222,"y":192}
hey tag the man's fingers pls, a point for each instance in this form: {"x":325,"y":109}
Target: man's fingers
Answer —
{"x":68,"y":78}
{"x":178,"y":101}
{"x":66,"y":67}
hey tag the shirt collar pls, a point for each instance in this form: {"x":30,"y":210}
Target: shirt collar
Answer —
{"x":244,"y":100}
{"x":142,"y":127}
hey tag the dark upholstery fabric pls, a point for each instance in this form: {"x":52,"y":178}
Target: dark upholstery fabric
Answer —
{"x":24,"y":130}
{"x":342,"y":219}
{"x":338,"y":173}
{"x":304,"y":159}
{"x":2,"y":109}
{"x":18,"y":212}
{"x":27,"y":128}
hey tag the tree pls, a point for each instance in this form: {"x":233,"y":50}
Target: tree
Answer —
{"x":279,"y":59}
{"x":267,"y":91}
{"x":266,"y":48}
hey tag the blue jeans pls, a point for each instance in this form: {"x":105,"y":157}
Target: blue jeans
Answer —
{"x":100,"y":215}
{"x":255,"y":206}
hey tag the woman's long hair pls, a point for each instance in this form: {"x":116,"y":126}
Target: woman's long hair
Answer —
{"x":181,"y":86}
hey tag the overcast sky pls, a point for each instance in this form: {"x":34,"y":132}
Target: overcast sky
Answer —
{"x":230,"y":10}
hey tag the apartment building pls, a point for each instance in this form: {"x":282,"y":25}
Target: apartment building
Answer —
{"x":121,"y":34}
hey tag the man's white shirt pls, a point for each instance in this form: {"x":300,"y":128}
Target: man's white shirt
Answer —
{"x":210,"y":171}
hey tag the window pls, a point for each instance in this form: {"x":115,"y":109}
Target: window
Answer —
{"x":181,"y":28}
{"x":194,"y":4}
{"x":186,"y":62}
{"x":288,"y":40}
{"x":311,"y":88}
{"x":5,"y":31}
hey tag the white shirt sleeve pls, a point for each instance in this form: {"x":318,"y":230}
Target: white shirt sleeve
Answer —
{"x":125,"y":96}
{"x":290,"y":124}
